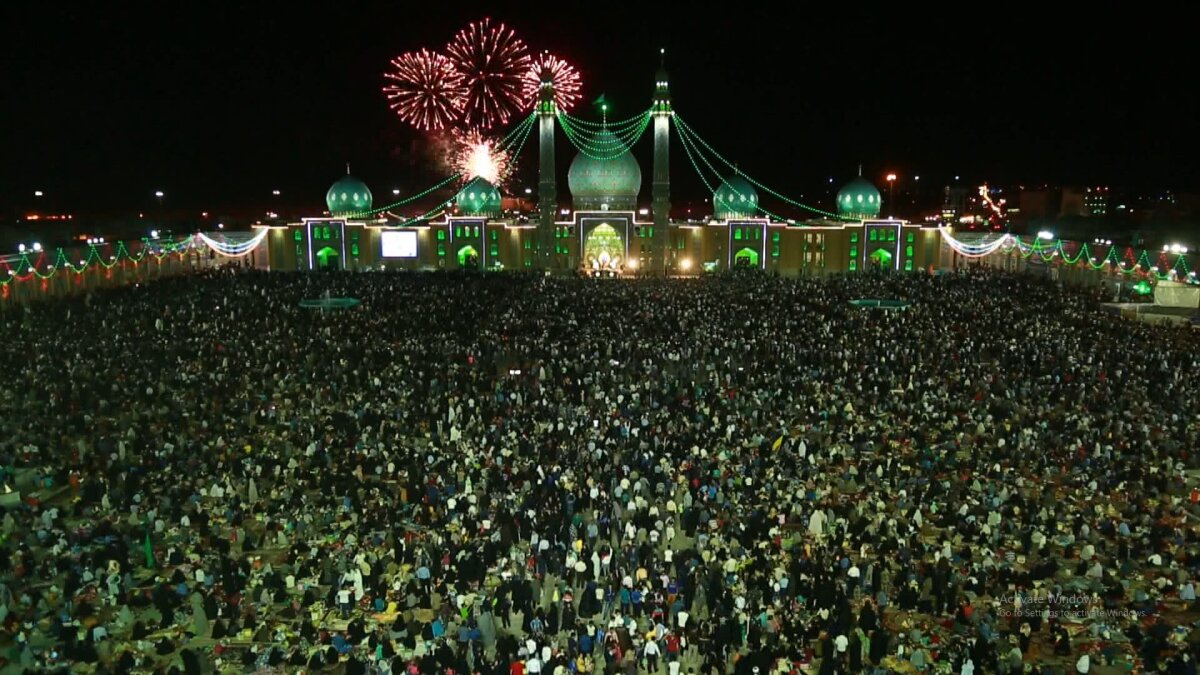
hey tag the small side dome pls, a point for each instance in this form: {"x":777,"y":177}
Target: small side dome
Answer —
{"x":736,"y":198}
{"x":859,"y":199}
{"x":478,"y":198}
{"x":348,"y":196}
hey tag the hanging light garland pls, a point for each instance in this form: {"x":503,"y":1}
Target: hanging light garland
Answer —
{"x":233,"y":250}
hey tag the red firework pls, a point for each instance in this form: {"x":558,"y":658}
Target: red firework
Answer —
{"x":427,"y":91}
{"x":567,"y":82}
{"x":493,"y":60}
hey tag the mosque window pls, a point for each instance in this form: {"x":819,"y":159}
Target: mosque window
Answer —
{"x":873,"y":235}
{"x":853,"y":265}
{"x":441,"y":235}
{"x":354,"y":250}
{"x":494,"y":250}
{"x":737,"y":234}
{"x":528,"y":244}
{"x":298,"y":235}
{"x":682,"y":243}
{"x":891,"y":235}
{"x":775,"y":251}
{"x":908,"y":266}
{"x":299,"y":251}
{"x":495,"y":235}
{"x":911,"y":237}
{"x":908,"y":251}
{"x":853,"y":237}
{"x":441,"y":249}
{"x":853,"y":253}
{"x":457,"y":232}
{"x":476,"y":231}
{"x":774,"y":236}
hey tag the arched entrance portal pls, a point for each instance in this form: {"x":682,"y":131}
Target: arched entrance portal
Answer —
{"x":328,"y":259}
{"x":468,"y":257}
{"x":746,"y":257}
{"x":882,"y":259}
{"x":603,"y":250}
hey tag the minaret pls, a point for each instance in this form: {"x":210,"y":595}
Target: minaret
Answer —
{"x":547,"y":188}
{"x":661,"y":187}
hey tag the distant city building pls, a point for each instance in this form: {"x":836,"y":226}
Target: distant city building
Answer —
{"x":1038,"y":204}
{"x":1086,"y":202}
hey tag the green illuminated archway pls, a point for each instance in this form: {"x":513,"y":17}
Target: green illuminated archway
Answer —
{"x":746,"y":257}
{"x":603,"y":247}
{"x":882,"y":258}
{"x":467,"y":255}
{"x":328,"y":257}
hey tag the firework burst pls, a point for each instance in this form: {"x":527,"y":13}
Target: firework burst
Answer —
{"x":493,"y":60}
{"x":567,"y":82}
{"x":476,"y":155}
{"x":425,"y":90}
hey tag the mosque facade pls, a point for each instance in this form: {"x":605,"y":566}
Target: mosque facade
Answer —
{"x":607,"y":230}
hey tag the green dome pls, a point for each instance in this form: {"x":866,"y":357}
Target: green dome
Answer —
{"x":348,"y":196}
{"x":736,"y":198}
{"x":859,"y":199}
{"x":478,"y":198}
{"x":605,"y":184}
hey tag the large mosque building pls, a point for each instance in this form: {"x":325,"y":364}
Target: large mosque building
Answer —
{"x":606,"y":230}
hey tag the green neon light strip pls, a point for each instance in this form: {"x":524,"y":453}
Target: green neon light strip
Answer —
{"x":757,"y":184}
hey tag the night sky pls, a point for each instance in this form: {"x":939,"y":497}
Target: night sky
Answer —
{"x":218,"y":106}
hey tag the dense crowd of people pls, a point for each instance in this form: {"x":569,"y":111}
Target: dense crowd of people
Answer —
{"x":520,"y":474}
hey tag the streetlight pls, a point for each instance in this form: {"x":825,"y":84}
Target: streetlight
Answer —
{"x":275,"y":192}
{"x":37,"y":193}
{"x":396,"y":192}
{"x":891,"y":179}
{"x":37,"y":246}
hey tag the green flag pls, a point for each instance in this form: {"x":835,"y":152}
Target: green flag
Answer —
{"x":149,"y":550}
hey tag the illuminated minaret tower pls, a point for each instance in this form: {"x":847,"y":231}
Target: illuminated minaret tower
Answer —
{"x":547,"y":189}
{"x":661,"y":187}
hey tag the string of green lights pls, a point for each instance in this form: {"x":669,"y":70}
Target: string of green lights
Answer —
{"x":686,"y":141}
{"x":1048,"y":252}
{"x":605,"y":153}
{"x":689,"y":148}
{"x":605,"y":141}
{"x":603,"y":133}
{"x":702,"y":143}
{"x":435,"y":211}
{"x":27,"y":268}
{"x":602,"y":125}
{"x":523,"y":127}
{"x":610,"y":149}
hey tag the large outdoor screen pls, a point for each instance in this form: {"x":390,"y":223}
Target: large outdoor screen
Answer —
{"x":399,"y":244}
